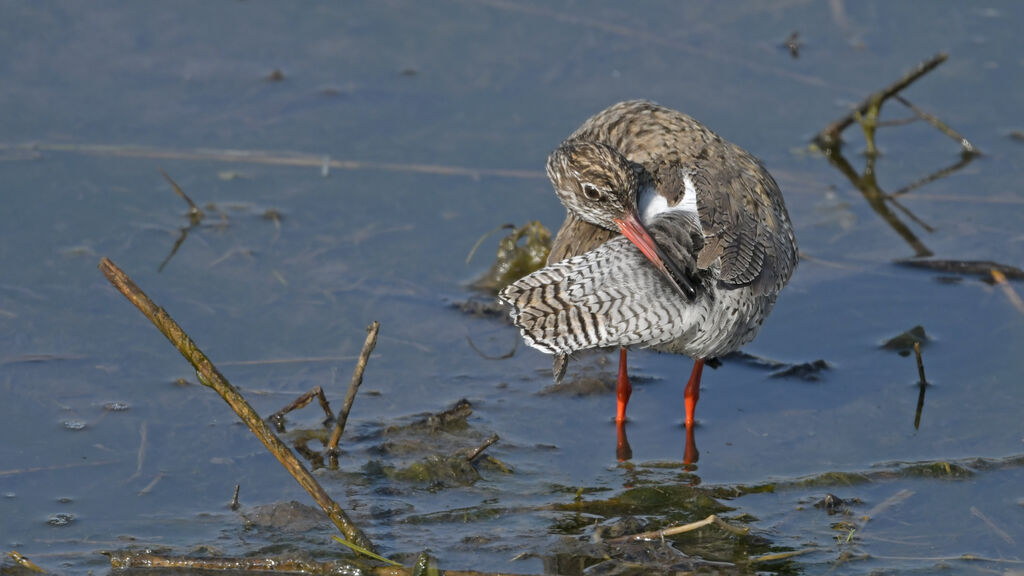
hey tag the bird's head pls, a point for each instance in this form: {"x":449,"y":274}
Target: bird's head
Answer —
{"x":594,"y":181}
{"x":598,"y":184}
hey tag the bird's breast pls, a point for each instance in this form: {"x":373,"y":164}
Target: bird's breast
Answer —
{"x":651,"y":202}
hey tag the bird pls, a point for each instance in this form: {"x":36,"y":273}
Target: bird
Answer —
{"x":674,"y":239}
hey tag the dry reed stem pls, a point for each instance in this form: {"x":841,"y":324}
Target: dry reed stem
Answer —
{"x":209,"y":376}
{"x":828,"y":138}
{"x":263,"y":157}
{"x":301,"y":402}
{"x":672,"y":531}
{"x":1007,"y":288}
{"x":121,"y":560}
{"x":920,"y":363}
{"x":353,"y":386}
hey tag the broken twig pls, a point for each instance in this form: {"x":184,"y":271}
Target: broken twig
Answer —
{"x":195,"y":215}
{"x":209,"y":376}
{"x":672,"y":531}
{"x":148,"y":561}
{"x":923,"y":384}
{"x":301,"y":402}
{"x":476,"y":452}
{"x":941,"y":126}
{"x":24,"y":562}
{"x":1011,"y":294}
{"x":828,"y":138}
{"x":353,"y":387}
{"x":920,"y":363}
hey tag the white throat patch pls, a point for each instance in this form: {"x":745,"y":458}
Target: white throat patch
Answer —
{"x":650,"y":203}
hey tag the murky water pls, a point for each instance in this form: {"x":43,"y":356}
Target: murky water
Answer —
{"x":451,"y":110}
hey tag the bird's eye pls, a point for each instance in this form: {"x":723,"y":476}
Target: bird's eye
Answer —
{"x":591,"y":192}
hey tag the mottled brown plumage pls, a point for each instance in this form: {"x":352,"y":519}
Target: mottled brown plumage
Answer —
{"x":741,"y":208}
{"x":720,"y":246}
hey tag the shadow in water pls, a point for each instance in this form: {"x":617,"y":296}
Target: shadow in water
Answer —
{"x":883,"y":203}
{"x":624,"y":452}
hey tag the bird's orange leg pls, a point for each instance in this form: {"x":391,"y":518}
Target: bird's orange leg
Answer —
{"x":622,"y":389}
{"x":692,"y":392}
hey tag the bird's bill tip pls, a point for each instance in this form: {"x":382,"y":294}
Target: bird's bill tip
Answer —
{"x":632,"y":228}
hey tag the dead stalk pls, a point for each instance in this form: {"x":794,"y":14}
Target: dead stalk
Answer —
{"x":353,"y":387}
{"x":210,"y":376}
{"x":828,"y":138}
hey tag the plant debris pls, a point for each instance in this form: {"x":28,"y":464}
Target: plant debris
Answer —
{"x":808,"y":371}
{"x":980,"y":268}
{"x":521,"y":252}
{"x":904,"y":343}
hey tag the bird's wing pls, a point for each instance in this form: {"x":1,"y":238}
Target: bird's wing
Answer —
{"x":610,"y":296}
{"x":745,"y":224}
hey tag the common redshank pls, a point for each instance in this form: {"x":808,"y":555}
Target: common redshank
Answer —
{"x":675,"y":239}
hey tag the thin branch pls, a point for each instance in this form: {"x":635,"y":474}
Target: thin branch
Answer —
{"x":1011,"y":294}
{"x":992,"y":525}
{"x":24,"y":562}
{"x":920,"y":363}
{"x":885,"y":505}
{"x":923,"y":383}
{"x":142,"y":451}
{"x":476,"y":452}
{"x":194,"y":213}
{"x":828,"y":138}
{"x":968,"y":148}
{"x":209,"y":376}
{"x":782,"y":555}
{"x":152,"y":484}
{"x":270,"y":159}
{"x":353,"y":387}
{"x":143,"y":559}
{"x":301,"y":402}
{"x":672,"y":531}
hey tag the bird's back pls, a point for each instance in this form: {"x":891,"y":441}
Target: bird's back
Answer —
{"x":745,"y":222}
{"x":599,"y":290}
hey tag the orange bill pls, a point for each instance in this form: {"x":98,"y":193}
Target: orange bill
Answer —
{"x":632,"y":228}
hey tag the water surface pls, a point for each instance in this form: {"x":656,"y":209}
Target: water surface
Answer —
{"x":454,"y":108}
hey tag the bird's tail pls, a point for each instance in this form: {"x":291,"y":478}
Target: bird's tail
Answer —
{"x":610,"y":296}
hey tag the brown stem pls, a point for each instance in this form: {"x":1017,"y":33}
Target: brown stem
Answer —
{"x":828,"y":138}
{"x":923,"y":384}
{"x":143,"y":559}
{"x":301,"y":402}
{"x":210,"y":376}
{"x":195,"y":215}
{"x":941,"y":126}
{"x":476,"y":452}
{"x":353,"y":387}
{"x":680,"y":529}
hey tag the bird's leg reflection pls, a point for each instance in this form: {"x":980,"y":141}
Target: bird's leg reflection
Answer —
{"x":690,"y":452}
{"x":623,"y":451}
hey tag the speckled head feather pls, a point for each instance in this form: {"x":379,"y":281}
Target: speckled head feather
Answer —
{"x":594,"y":181}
